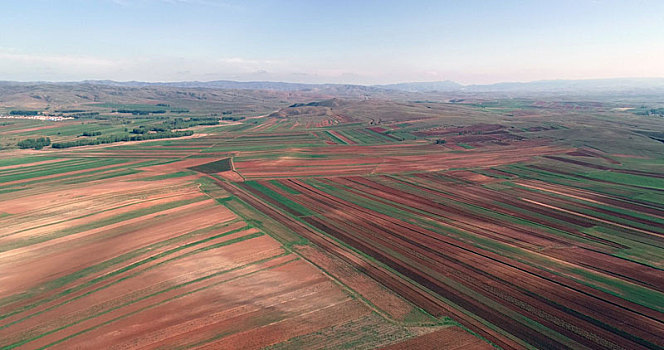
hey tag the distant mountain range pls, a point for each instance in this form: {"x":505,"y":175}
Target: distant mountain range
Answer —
{"x":588,"y":85}
{"x":542,"y":86}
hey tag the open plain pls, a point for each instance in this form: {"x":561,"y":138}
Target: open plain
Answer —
{"x":329,"y":220}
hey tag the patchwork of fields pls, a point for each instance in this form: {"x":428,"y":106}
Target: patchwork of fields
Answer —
{"x":540,"y":263}
{"x":161,"y":257}
{"x":323,"y":231}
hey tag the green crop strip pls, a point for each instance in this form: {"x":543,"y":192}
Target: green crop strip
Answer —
{"x":25,"y":160}
{"x":335,"y":138}
{"x":350,"y":135}
{"x":615,"y":209}
{"x":40,"y":167}
{"x":627,"y":179}
{"x":640,"y":295}
{"x":281,"y":199}
{"x":283,"y":187}
{"x":56,"y":169}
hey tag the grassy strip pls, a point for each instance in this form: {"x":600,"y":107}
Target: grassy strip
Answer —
{"x":61,"y":168}
{"x":24,"y":160}
{"x":283,"y":187}
{"x":39,"y":167}
{"x":615,"y":209}
{"x":627,"y":179}
{"x":75,"y":178}
{"x":281,"y":199}
{"x":335,"y":138}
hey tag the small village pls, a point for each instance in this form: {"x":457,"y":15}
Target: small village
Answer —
{"x":52,"y":118}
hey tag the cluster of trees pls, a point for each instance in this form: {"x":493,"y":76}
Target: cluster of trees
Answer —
{"x":91,"y":133}
{"x":70,"y":111}
{"x":176,"y":123}
{"x":84,"y":114}
{"x":141,"y":111}
{"x":148,"y":110}
{"x":37,"y":143}
{"x":181,"y":123}
{"x":441,"y":142}
{"x":232,"y":118}
{"x":145,"y":130}
{"x":120,"y":138}
{"x":23,"y":112}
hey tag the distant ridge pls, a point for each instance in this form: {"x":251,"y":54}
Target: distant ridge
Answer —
{"x":446,"y":85}
{"x":588,"y":85}
{"x":554,"y":86}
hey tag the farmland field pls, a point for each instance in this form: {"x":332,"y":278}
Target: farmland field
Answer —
{"x":338,"y":223}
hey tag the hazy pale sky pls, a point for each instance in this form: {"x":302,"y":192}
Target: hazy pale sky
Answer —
{"x":341,"y":41}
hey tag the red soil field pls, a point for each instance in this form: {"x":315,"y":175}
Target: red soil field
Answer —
{"x":368,"y":160}
{"x":397,"y":308}
{"x":145,"y":264}
{"x":451,"y":338}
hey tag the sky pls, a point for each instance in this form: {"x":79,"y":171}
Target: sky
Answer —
{"x":340,"y":41}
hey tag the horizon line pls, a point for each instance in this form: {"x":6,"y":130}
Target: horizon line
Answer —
{"x":350,"y":84}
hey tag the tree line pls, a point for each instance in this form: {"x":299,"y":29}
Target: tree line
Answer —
{"x":23,"y":112}
{"x":37,"y":143}
{"x":121,"y":138}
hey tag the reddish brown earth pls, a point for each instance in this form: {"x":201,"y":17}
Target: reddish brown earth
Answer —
{"x":397,"y":308}
{"x":109,"y":266}
{"x":452,"y":338}
{"x":440,"y":263}
{"x":369,"y":160}
{"x":394,"y":231}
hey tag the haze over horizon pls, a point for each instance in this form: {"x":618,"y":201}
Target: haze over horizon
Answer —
{"x":372,"y":42}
